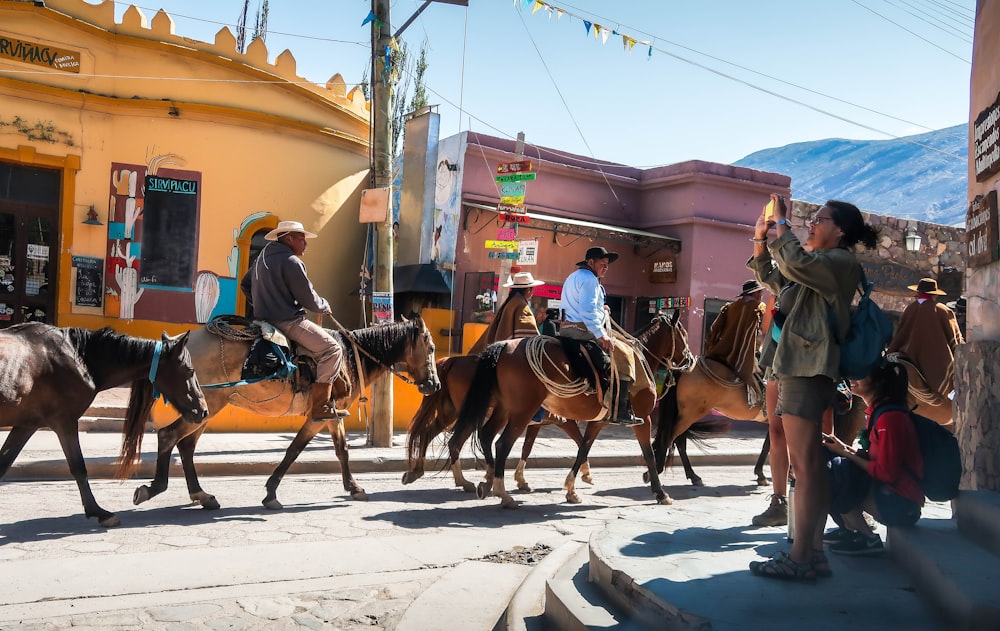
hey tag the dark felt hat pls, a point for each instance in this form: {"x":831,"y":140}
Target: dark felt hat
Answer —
{"x":927,"y":286}
{"x":750,"y":287}
{"x":598,"y":253}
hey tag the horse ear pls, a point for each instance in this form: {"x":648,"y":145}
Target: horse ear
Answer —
{"x":675,"y":316}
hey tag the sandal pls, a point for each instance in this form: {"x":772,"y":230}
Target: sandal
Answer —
{"x":821,"y":565}
{"x":782,"y":567}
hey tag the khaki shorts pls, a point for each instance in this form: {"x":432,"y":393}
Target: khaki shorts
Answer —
{"x":806,"y":397}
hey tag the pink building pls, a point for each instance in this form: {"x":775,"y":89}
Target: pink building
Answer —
{"x":682,"y":230}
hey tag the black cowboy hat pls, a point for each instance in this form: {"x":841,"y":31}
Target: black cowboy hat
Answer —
{"x":598,"y":253}
{"x":750,"y":287}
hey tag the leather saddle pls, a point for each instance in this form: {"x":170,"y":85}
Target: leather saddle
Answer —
{"x":588,"y":361}
{"x":272,"y":356}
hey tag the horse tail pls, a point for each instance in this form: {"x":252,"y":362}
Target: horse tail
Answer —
{"x":140,"y":404}
{"x":702,"y":429}
{"x":480,"y":397}
{"x":665,"y":425}
{"x":430,"y":419}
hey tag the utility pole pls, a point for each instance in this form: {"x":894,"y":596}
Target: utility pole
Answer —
{"x":506,"y":264}
{"x":382,"y":152}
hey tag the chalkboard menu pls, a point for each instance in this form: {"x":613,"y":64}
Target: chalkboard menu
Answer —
{"x":89,"y":281}
{"x":169,"y":233}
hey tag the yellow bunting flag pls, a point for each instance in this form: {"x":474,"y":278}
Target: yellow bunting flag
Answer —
{"x":628,"y":43}
{"x":538,"y":5}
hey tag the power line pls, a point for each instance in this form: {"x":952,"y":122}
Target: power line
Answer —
{"x":920,"y":37}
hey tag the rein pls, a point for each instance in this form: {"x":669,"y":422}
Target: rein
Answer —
{"x":357,"y":347}
{"x":153,"y":368}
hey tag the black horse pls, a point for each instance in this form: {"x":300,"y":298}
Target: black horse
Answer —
{"x":49,"y":377}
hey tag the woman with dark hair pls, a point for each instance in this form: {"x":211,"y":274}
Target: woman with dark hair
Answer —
{"x":815,"y":284}
{"x":882,"y":477}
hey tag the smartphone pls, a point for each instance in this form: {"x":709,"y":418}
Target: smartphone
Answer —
{"x":769,"y":210}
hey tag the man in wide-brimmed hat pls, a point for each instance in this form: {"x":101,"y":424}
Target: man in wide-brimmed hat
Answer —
{"x":280,"y":292}
{"x":587,"y":318}
{"x":515,"y":318}
{"x":732,"y":339}
{"x":926,"y":336}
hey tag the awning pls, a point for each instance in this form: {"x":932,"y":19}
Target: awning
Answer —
{"x":422,"y":278}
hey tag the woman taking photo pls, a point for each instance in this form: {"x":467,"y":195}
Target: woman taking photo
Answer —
{"x":882,"y":477}
{"x":817,"y":282}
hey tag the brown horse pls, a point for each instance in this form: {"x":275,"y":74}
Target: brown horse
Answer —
{"x":51,"y":376}
{"x":368,"y":354}
{"x":664,"y":343}
{"x":505,"y":382}
{"x":437,"y":414}
{"x":927,"y":402}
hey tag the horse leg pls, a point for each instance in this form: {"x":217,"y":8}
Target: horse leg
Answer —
{"x":15,"y":442}
{"x":572,"y":430}
{"x":166,"y":439}
{"x":70,"y":443}
{"x":681,"y":443}
{"x":306,"y":433}
{"x":503,"y":447}
{"x":529,"y":441}
{"x":185,"y":448}
{"x":642,"y":434}
{"x":486,"y":434}
{"x":758,"y":469}
{"x":582,"y":453}
{"x":459,"y":477}
{"x":339,"y":436}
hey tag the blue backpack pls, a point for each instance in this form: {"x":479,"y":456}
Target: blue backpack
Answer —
{"x":939,"y":448}
{"x":869,"y":333}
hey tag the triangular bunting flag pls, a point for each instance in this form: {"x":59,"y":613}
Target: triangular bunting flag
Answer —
{"x":525,"y":4}
{"x":538,"y":5}
{"x":587,"y":26}
{"x":371,"y":18}
{"x":597,"y":31}
{"x":604,"y":36}
{"x":559,"y":14}
{"x":628,"y":43}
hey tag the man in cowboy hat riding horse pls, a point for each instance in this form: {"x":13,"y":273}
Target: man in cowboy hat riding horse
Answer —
{"x":514,"y":318}
{"x":586,"y":318}
{"x":280,"y":292}
{"x":926,"y":336}
{"x":732,"y":339}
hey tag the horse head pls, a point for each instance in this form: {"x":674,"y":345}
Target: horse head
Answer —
{"x":665,"y":339}
{"x":418,"y":359}
{"x":176,"y":378}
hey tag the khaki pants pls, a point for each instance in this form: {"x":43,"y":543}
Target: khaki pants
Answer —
{"x":314,"y":338}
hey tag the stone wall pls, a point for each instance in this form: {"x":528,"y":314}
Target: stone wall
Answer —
{"x":977,"y":380}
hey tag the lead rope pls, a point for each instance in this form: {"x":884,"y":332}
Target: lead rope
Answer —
{"x":362,"y":396}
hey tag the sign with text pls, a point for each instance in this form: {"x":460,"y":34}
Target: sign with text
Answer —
{"x":507,"y":234}
{"x":986,"y":137}
{"x":516,"y":177}
{"x":382,"y":307}
{"x":89,"y":281}
{"x":39,"y":54}
{"x":504,"y":207}
{"x":517,"y":218}
{"x":890,"y":278}
{"x":527,"y":252}
{"x":981,"y":230}
{"x":663,"y":270}
{"x":514,"y":167}
{"x":500,"y":245}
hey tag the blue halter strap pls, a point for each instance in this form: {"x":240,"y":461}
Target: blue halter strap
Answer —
{"x":153,"y":368}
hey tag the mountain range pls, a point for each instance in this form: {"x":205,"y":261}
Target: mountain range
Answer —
{"x":923,"y":177}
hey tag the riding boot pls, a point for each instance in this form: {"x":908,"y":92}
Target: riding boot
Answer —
{"x":623,"y":411}
{"x":322,"y":407}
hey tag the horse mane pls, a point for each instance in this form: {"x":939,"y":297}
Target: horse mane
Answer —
{"x":106,"y":347}
{"x":383,"y":342}
{"x":650,"y":329}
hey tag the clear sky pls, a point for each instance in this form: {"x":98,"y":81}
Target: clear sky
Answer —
{"x":724,"y":78}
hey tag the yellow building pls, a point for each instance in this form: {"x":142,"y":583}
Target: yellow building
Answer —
{"x":139,"y":171}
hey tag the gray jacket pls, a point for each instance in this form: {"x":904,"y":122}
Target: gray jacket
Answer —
{"x":278,"y":286}
{"x":828,"y":279}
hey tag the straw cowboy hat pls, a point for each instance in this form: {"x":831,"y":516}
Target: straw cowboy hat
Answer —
{"x":523,"y":280}
{"x":285,"y":227}
{"x":598,"y":253}
{"x":927,"y":286}
{"x":750,"y":287}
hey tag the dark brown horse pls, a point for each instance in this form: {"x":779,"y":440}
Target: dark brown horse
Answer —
{"x":368,"y":354}
{"x":51,"y":376}
{"x":437,"y":414}
{"x":506,"y":391}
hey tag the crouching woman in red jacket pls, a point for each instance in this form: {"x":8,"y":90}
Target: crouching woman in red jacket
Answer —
{"x":881,"y":477}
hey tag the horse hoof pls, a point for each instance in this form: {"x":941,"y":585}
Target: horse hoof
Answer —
{"x":665,"y":500}
{"x":469,"y":487}
{"x":482,"y":490}
{"x":110,"y":522}
{"x":411,"y":476}
{"x":272,"y":503}
{"x":696,"y":481}
{"x":210,"y":503}
{"x":509,"y":502}
{"x":762,"y":482}
{"x":572,"y":498}
{"x":524,"y":486}
{"x":141,"y":495}
{"x":359,"y":495}
{"x":645,"y":477}
{"x":589,"y":479}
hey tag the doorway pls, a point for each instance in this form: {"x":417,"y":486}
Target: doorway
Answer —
{"x":29,"y":231}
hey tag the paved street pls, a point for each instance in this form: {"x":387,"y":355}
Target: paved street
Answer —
{"x":323,"y":562}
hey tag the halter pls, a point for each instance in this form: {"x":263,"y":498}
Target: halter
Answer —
{"x":153,"y":367}
{"x":667,"y":361}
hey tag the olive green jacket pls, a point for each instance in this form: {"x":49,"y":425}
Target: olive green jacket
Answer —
{"x":828,"y":278}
